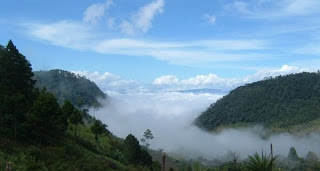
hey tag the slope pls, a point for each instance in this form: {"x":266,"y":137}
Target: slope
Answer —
{"x":279,"y":102}
{"x":69,"y":86}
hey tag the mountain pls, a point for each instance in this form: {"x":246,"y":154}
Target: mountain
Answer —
{"x":279,"y":102}
{"x":38,"y":133}
{"x":69,"y":86}
{"x":204,"y":90}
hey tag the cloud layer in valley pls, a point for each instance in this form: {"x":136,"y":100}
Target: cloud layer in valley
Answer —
{"x":170,"y":115}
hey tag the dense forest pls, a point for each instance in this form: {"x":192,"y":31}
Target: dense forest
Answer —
{"x":37,"y":133}
{"x":66,"y":85}
{"x":280,"y":102}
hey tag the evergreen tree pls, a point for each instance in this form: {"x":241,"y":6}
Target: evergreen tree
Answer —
{"x":131,"y":149}
{"x":46,"y":117}
{"x":293,"y":154}
{"x":16,"y":89}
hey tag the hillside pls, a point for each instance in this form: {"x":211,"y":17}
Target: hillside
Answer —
{"x":280,"y":102}
{"x":38,"y":133}
{"x":66,"y":85}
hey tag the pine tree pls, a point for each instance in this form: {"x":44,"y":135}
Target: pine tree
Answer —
{"x":16,"y":89}
{"x":132,"y":149}
{"x":45,"y":118}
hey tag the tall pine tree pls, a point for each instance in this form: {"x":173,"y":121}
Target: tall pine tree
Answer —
{"x":16,"y":90}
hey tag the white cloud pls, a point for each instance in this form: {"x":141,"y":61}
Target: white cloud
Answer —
{"x":169,"y":115}
{"x":63,"y":33}
{"x":200,"y":81}
{"x":166,"y":80}
{"x":114,"y":83}
{"x":141,"y":21}
{"x":143,"y":18}
{"x":215,"y":82}
{"x":96,"y":11}
{"x":302,"y":7}
{"x":210,"y":18}
{"x":284,"y":70}
{"x":127,"y":28}
{"x":111,"y":82}
{"x":271,"y":9}
{"x":84,"y":37}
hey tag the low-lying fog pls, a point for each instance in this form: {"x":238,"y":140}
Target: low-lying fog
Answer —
{"x":170,"y":115}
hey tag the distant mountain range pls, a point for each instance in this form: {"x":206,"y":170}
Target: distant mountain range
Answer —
{"x":204,"y":90}
{"x":282,"y":103}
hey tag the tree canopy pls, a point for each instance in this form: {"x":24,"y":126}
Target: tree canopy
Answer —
{"x":282,"y":101}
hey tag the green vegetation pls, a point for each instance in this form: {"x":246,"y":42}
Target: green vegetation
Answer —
{"x":68,"y":86}
{"x":146,"y":137}
{"x":279,"y":103}
{"x":36,"y":133}
{"x":260,"y":163}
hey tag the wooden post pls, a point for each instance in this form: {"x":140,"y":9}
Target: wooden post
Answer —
{"x":9,"y":166}
{"x":163,"y":164}
{"x":271,"y":156}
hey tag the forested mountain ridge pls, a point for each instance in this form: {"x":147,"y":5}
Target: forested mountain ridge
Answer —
{"x":69,"y":86}
{"x":281,"y":102}
{"x":38,"y":133}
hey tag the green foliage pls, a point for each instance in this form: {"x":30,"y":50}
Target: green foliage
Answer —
{"x":99,"y":128}
{"x":134,"y":154}
{"x":46,"y":117}
{"x":16,"y":90}
{"x":69,"y":86}
{"x":145,"y":158}
{"x":71,"y":114}
{"x":197,"y":167}
{"x":132,"y":149}
{"x":146,"y":137}
{"x":281,"y":102}
{"x":260,"y":163}
{"x":293,"y":154}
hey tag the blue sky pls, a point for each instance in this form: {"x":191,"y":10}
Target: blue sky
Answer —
{"x":166,"y":43}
